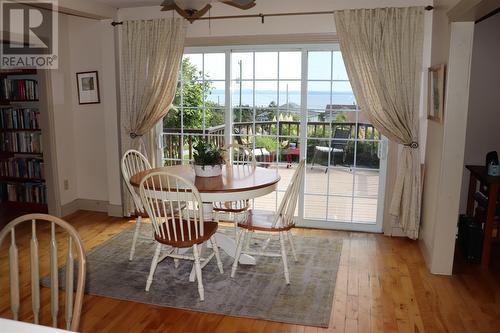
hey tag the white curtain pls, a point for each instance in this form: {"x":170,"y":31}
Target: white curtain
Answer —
{"x":151,"y":56}
{"x":382,"y":50}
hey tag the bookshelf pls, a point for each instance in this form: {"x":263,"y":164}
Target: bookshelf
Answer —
{"x":22,"y":167}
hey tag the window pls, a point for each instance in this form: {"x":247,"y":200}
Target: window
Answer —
{"x":283,"y":103}
{"x":198,"y":108}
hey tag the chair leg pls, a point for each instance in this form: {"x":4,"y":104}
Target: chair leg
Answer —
{"x":248,"y":239}
{"x":215,"y":248}
{"x":239,"y":246}
{"x":284,"y":258}
{"x":138,"y":221}
{"x":314,"y":158}
{"x":235,"y":231}
{"x":176,"y":261}
{"x":292,"y":246}
{"x":197,"y":267}
{"x":154,"y":263}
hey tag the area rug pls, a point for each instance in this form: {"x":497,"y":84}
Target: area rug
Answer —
{"x":256,"y":291}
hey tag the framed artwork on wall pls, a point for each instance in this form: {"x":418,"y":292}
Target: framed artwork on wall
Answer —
{"x":436,"y":86}
{"x":88,"y":87}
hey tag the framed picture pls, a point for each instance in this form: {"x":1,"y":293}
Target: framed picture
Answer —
{"x":88,"y":87}
{"x":436,"y":84}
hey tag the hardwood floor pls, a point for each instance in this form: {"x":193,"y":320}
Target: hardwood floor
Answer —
{"x":382,"y":286}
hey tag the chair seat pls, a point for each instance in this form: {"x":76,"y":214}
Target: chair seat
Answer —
{"x":209,"y":229}
{"x":231,"y":206}
{"x":263,"y":221}
{"x":324,"y":149}
{"x":261,"y":152}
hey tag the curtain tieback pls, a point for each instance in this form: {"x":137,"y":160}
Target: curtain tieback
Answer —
{"x":412,"y":145}
{"x":134,"y":135}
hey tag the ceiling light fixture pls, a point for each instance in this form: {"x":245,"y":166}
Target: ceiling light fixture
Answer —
{"x":192,"y":10}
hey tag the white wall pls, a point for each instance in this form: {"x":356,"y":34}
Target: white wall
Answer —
{"x":86,"y":135}
{"x":89,"y":124}
{"x":445,"y":142}
{"x":64,"y":117}
{"x":483,"y":122}
{"x":273,"y":25}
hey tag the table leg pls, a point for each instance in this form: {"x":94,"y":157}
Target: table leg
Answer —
{"x":226,"y":243}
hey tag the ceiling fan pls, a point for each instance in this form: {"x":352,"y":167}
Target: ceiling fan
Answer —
{"x":194,"y":9}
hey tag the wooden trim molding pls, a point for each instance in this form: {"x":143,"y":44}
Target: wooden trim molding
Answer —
{"x":92,"y":205}
{"x":320,"y":38}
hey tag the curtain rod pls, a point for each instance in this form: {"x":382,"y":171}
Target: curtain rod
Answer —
{"x":262,"y":16}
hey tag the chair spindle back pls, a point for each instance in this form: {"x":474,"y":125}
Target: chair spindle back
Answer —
{"x":73,"y":307}
{"x":134,"y":162}
{"x":239,"y":155}
{"x":174,"y":206}
{"x":288,"y":204}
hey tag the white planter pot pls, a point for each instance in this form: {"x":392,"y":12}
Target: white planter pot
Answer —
{"x":208,"y":170}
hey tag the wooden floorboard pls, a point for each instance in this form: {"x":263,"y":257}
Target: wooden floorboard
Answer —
{"x":382,"y":285}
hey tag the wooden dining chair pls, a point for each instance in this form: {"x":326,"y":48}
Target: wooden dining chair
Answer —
{"x":234,"y":154}
{"x":73,"y":302}
{"x":161,"y":194}
{"x":280,"y":222}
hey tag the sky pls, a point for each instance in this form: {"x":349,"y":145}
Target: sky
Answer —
{"x":276,"y":73}
{"x":322,"y":65}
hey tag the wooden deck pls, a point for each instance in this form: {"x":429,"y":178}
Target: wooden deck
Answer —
{"x":340,"y":184}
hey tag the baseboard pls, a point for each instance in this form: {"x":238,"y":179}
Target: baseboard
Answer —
{"x":69,"y":208}
{"x":115,"y":210}
{"x":92,"y":205}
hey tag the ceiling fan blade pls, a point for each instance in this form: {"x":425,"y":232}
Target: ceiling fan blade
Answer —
{"x":168,"y":5}
{"x":189,"y":14}
{"x":241,"y":4}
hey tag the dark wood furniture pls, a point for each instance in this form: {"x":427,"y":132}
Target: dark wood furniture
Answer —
{"x":489,"y":186}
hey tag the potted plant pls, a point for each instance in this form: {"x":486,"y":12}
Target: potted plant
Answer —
{"x":208,"y":159}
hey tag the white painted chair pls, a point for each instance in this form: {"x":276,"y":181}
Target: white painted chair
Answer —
{"x":161,"y":194}
{"x":235,"y":211}
{"x":134,"y":162}
{"x":280,"y":222}
{"x":73,"y":302}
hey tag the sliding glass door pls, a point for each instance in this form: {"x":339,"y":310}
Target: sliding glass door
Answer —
{"x":284,"y":104}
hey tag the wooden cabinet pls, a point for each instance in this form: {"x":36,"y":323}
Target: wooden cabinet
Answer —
{"x":489,"y":186}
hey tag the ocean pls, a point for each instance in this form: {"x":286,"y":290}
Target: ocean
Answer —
{"x":315,"y":99}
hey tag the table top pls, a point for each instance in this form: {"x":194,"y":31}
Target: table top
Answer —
{"x":481,"y":173}
{"x":11,"y":326}
{"x":234,"y":178}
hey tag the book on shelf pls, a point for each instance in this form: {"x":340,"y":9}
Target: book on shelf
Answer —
{"x":16,"y":167}
{"x":18,"y":89}
{"x":21,"y":142}
{"x":19,"y":118}
{"x":31,"y":192}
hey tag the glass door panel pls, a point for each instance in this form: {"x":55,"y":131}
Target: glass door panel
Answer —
{"x":343,"y":167}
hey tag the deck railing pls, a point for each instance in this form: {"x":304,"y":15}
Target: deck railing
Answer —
{"x":177,"y":142}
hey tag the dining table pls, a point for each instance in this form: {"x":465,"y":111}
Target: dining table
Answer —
{"x":237,"y":182}
{"x":14,"y":326}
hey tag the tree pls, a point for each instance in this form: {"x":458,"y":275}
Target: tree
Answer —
{"x":196,"y":87}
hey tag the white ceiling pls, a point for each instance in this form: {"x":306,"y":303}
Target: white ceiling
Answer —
{"x":130,"y":3}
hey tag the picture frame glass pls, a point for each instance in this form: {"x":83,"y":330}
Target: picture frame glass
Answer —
{"x":88,"y":88}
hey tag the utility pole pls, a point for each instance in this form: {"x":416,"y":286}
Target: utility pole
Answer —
{"x":240,"y":63}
